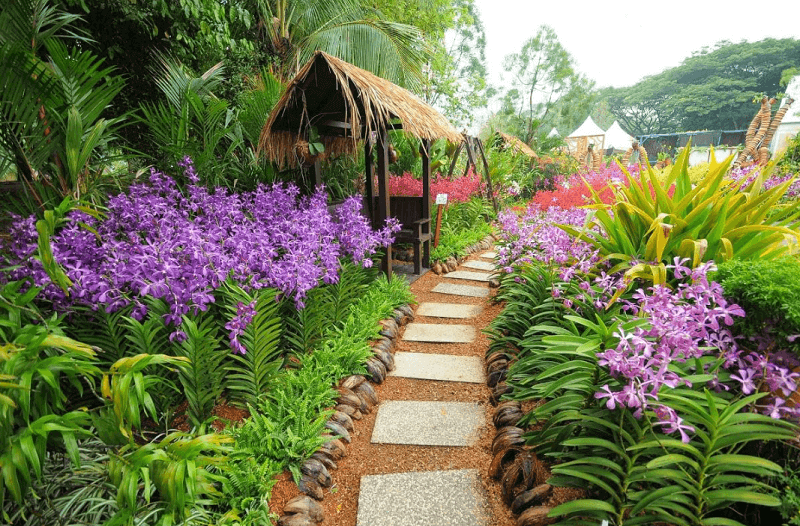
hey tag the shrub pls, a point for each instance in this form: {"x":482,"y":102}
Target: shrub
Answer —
{"x":769,"y":293}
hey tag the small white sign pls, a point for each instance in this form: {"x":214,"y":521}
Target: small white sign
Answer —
{"x":441,"y":199}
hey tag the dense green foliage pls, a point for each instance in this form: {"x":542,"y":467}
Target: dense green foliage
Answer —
{"x":53,"y":104}
{"x":769,"y":292}
{"x":138,"y":473}
{"x":712,"y":89}
{"x":463,"y":225}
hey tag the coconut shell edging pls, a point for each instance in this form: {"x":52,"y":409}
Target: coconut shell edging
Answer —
{"x":356,"y":396}
{"x":452,"y":262}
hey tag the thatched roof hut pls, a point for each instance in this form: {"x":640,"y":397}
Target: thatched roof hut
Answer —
{"x":516,"y":145}
{"x":345,"y":103}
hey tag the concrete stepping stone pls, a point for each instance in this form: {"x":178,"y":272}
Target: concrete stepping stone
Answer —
{"x":439,"y":333}
{"x":480,"y":265}
{"x":472,"y":276}
{"x":461,"y":290}
{"x":489,"y":255}
{"x":442,"y":367}
{"x":428,"y":423}
{"x":432,"y":498}
{"x":448,"y":310}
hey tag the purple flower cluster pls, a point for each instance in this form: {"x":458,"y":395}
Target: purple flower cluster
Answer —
{"x":745,"y":176}
{"x":157,"y":241}
{"x":688,"y":322}
{"x":245,"y":312}
{"x":535,"y":236}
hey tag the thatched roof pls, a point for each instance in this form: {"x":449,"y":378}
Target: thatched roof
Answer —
{"x":516,"y":144}
{"x":346,"y":104}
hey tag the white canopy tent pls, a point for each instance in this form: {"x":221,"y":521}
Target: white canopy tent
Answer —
{"x":586,"y":134}
{"x":617,"y":138}
{"x":554,"y":133}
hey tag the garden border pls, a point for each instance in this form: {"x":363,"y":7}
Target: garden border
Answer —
{"x":356,"y":396}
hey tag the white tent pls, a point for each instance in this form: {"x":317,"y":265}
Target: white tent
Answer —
{"x":587,"y":129}
{"x":587,"y":133}
{"x":617,"y":138}
{"x":554,"y":133}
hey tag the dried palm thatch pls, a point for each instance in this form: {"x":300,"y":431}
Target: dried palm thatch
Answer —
{"x":516,"y":144}
{"x":346,"y":104}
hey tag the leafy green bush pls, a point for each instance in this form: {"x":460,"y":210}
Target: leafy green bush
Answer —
{"x":789,"y":494}
{"x":287,"y":422}
{"x":39,"y":367}
{"x":790,"y":160}
{"x":769,"y":293}
{"x":463,"y":224}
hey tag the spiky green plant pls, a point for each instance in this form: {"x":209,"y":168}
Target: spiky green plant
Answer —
{"x":713,"y":220}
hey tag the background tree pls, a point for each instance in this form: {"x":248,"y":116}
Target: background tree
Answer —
{"x":710,"y":90}
{"x":542,"y":74}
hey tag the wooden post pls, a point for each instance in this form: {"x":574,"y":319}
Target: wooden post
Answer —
{"x":438,"y":225}
{"x":316,"y":169}
{"x":425,"y":150}
{"x":369,"y":188}
{"x":383,"y":193}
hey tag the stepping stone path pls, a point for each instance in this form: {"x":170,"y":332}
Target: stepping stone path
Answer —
{"x":472,"y":276}
{"x":489,"y":255}
{"x":439,"y":333}
{"x":480,"y":265}
{"x":448,"y":310}
{"x":428,"y":423}
{"x":444,"y":367}
{"x":433,"y":498}
{"x":461,"y":290}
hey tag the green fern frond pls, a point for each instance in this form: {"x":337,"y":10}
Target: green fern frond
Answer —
{"x":202,"y":379}
{"x":249,"y":375}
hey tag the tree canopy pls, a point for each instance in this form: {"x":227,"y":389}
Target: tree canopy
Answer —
{"x":545,"y":90}
{"x":712,"y":89}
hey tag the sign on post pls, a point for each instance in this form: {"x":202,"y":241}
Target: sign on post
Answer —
{"x":441,"y":201}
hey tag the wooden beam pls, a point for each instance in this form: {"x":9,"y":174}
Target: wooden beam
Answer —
{"x":383,"y":193}
{"x":455,"y":158}
{"x":486,"y":173}
{"x":316,"y":169}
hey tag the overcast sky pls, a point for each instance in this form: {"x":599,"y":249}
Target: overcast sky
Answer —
{"x":617,"y":43}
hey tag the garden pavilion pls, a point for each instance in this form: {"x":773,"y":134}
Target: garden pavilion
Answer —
{"x":341,"y":106}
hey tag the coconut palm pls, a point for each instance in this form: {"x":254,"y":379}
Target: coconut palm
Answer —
{"x":347,"y":29}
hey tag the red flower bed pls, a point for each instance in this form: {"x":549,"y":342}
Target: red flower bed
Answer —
{"x":458,"y":189}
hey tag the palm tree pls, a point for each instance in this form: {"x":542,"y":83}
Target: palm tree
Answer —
{"x":347,"y":29}
{"x":51,"y":101}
